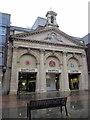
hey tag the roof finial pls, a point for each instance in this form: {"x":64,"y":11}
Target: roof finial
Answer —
{"x":50,"y":9}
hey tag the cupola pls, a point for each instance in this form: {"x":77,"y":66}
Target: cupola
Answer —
{"x":51,"y":19}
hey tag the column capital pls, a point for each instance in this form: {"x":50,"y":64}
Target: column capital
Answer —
{"x":80,"y":65}
{"x":38,"y":63}
{"x":15,"y":47}
{"x":83,"y":55}
{"x":42,"y":50}
{"x":65,"y":53}
{"x":61,"y":64}
{"x":28,"y":50}
{"x":73,"y":54}
{"x":53,"y":52}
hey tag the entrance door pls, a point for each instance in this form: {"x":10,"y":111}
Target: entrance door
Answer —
{"x":52,"y":81}
{"x":57,"y":81}
{"x":27,"y":82}
{"x":73,"y":81}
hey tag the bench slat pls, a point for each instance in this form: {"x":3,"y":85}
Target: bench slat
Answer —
{"x":40,"y":104}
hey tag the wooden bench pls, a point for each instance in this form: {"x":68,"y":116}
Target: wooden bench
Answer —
{"x":46,"y":103}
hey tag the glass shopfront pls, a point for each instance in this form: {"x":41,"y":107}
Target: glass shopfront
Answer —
{"x":52,"y":81}
{"x":27,"y":82}
{"x":73,"y":81}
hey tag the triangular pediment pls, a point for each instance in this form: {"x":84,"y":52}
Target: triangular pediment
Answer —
{"x":50,"y":35}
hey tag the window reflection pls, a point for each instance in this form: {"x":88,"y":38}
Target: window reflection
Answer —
{"x":76,"y":105}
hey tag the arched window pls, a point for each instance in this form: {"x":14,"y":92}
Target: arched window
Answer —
{"x":52,"y":19}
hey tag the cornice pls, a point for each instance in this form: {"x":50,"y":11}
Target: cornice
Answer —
{"x":47,"y":43}
{"x":46,"y":29}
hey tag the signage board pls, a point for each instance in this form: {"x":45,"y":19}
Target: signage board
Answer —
{"x":74,"y":71}
{"x":53,"y":70}
{"x":28,"y":69}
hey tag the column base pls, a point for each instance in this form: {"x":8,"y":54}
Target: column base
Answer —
{"x":5,"y":92}
{"x":13,"y":92}
{"x":37,"y":91}
{"x":66,"y":90}
{"x":42,"y":91}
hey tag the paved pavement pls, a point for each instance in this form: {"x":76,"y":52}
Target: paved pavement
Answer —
{"x":78,"y":105}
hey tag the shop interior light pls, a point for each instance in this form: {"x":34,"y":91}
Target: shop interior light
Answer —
{"x":23,"y":83}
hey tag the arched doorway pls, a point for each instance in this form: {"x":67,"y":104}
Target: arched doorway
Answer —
{"x":27,"y":81}
{"x":27,"y":73}
{"x":52,"y":81}
{"x":73,"y":81}
{"x":73,"y":73}
{"x":52,"y":73}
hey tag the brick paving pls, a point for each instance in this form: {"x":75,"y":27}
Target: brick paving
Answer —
{"x":77,"y":105}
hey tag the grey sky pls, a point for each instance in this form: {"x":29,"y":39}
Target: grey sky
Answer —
{"x":72,"y":15}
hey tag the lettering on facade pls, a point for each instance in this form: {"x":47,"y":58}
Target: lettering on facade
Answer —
{"x":28,"y":69}
{"x":53,"y":70}
{"x":74,"y":71}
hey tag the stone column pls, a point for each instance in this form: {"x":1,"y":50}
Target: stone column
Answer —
{"x":7,"y":71}
{"x":14,"y":72}
{"x":42,"y":72}
{"x":64,"y":74}
{"x":6,"y":82}
{"x":38,"y":78}
{"x":60,"y":78}
{"x":84,"y":74}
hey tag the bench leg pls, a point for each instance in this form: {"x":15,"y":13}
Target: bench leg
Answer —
{"x":28,"y":112}
{"x":30,"y":115}
{"x":61,"y":109}
{"x":66,"y":110}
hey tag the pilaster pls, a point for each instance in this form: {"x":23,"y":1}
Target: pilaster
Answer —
{"x":42,"y":72}
{"x":64,"y":74}
{"x":7,"y":71}
{"x":60,"y":78}
{"x":38,"y":78}
{"x":84,"y":73}
{"x":14,"y":72}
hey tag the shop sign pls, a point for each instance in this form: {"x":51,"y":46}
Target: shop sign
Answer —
{"x":52,"y":63}
{"x":74,"y":71}
{"x":72,"y":65}
{"x":27,"y":62}
{"x":28,"y":70}
{"x":53,"y":70}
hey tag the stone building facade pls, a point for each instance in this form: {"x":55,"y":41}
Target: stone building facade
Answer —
{"x":86,"y":39}
{"x":47,"y":59}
